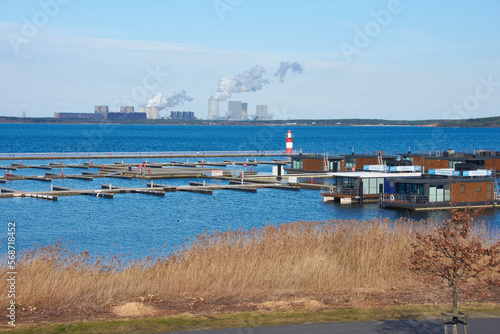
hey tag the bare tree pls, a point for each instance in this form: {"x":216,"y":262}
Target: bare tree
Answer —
{"x":453,"y":256}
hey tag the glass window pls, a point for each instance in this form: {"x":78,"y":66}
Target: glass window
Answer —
{"x":366,"y":187}
{"x":432,"y":194}
{"x":401,"y":188}
{"x":439,"y":193}
{"x":447,"y":195}
{"x":297,"y":164}
{"x":350,"y":162}
{"x":420,"y":189}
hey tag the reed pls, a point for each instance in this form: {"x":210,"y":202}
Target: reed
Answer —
{"x":293,"y":259}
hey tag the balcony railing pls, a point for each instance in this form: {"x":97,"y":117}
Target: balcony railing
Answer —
{"x":404,"y":198}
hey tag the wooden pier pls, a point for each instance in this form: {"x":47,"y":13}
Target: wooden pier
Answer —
{"x":108,"y":190}
{"x":131,"y":155}
{"x":233,"y":179}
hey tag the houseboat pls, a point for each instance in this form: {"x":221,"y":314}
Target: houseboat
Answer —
{"x":315,"y":163}
{"x":318,"y":163}
{"x":367,"y":185}
{"x":442,"y":189}
{"x":480,"y":159}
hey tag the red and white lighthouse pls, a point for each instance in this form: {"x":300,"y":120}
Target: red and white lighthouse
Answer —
{"x":289,"y":142}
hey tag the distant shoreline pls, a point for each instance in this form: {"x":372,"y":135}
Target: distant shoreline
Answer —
{"x":491,"y":122}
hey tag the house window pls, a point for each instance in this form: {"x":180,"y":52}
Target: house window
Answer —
{"x":462,"y":188}
{"x":297,"y":164}
{"x":349,"y":163}
{"x":432,"y":194}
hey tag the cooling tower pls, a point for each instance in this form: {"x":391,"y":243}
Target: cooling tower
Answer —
{"x":101,"y":109}
{"x":127,"y":109}
{"x":244,"y":111}
{"x":213,"y":109}
{"x":151,"y":112}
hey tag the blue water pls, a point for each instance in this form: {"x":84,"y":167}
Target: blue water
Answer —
{"x":140,"y":223}
{"x":124,"y":138}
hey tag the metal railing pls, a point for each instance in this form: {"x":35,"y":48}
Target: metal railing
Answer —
{"x":346,"y":191}
{"x":414,"y":199}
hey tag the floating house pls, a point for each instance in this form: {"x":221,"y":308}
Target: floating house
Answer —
{"x":315,"y":163}
{"x":442,"y":189}
{"x":318,"y":163}
{"x":480,"y":159}
{"x":367,"y":185}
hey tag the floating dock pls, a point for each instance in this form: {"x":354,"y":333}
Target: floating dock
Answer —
{"x":124,"y":155}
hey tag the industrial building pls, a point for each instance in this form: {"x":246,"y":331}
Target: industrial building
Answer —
{"x":102,"y":112}
{"x":261,"y":113}
{"x":237,"y":111}
{"x":126,"y":115}
{"x":78,"y":115}
{"x":183,"y":115}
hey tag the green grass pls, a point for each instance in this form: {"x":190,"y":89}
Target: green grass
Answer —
{"x":255,"y":319}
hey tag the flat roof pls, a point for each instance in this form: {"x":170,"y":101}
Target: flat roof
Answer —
{"x":367,"y":175}
{"x":432,"y":179}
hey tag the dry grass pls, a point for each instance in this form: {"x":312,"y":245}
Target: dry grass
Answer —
{"x":295,"y":259}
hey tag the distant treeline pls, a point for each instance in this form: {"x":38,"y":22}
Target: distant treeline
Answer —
{"x":472,"y":122}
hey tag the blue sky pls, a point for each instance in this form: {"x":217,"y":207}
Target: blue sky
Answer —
{"x":396,"y":59}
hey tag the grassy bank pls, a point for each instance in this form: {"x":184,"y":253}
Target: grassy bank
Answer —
{"x":185,"y":322}
{"x":337,"y":263}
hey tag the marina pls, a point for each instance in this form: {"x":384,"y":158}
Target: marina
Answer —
{"x":392,"y":182}
{"x":99,"y":218}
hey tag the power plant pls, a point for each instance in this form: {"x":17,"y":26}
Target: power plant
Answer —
{"x":236,"y":111}
{"x":102,"y":112}
{"x":261,"y":113}
{"x":182,"y":115}
{"x":126,"y":112}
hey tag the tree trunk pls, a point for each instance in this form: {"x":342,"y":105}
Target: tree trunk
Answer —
{"x":455,"y":308}
{"x":455,"y":301}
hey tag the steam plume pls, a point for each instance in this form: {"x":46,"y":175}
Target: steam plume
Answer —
{"x":169,"y":101}
{"x":294,"y":67}
{"x":249,"y":81}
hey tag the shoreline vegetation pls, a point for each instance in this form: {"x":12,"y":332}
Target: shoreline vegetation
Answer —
{"x":472,"y":122}
{"x":318,"y":266}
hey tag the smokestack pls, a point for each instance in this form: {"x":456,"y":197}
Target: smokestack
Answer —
{"x":213,"y":109}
